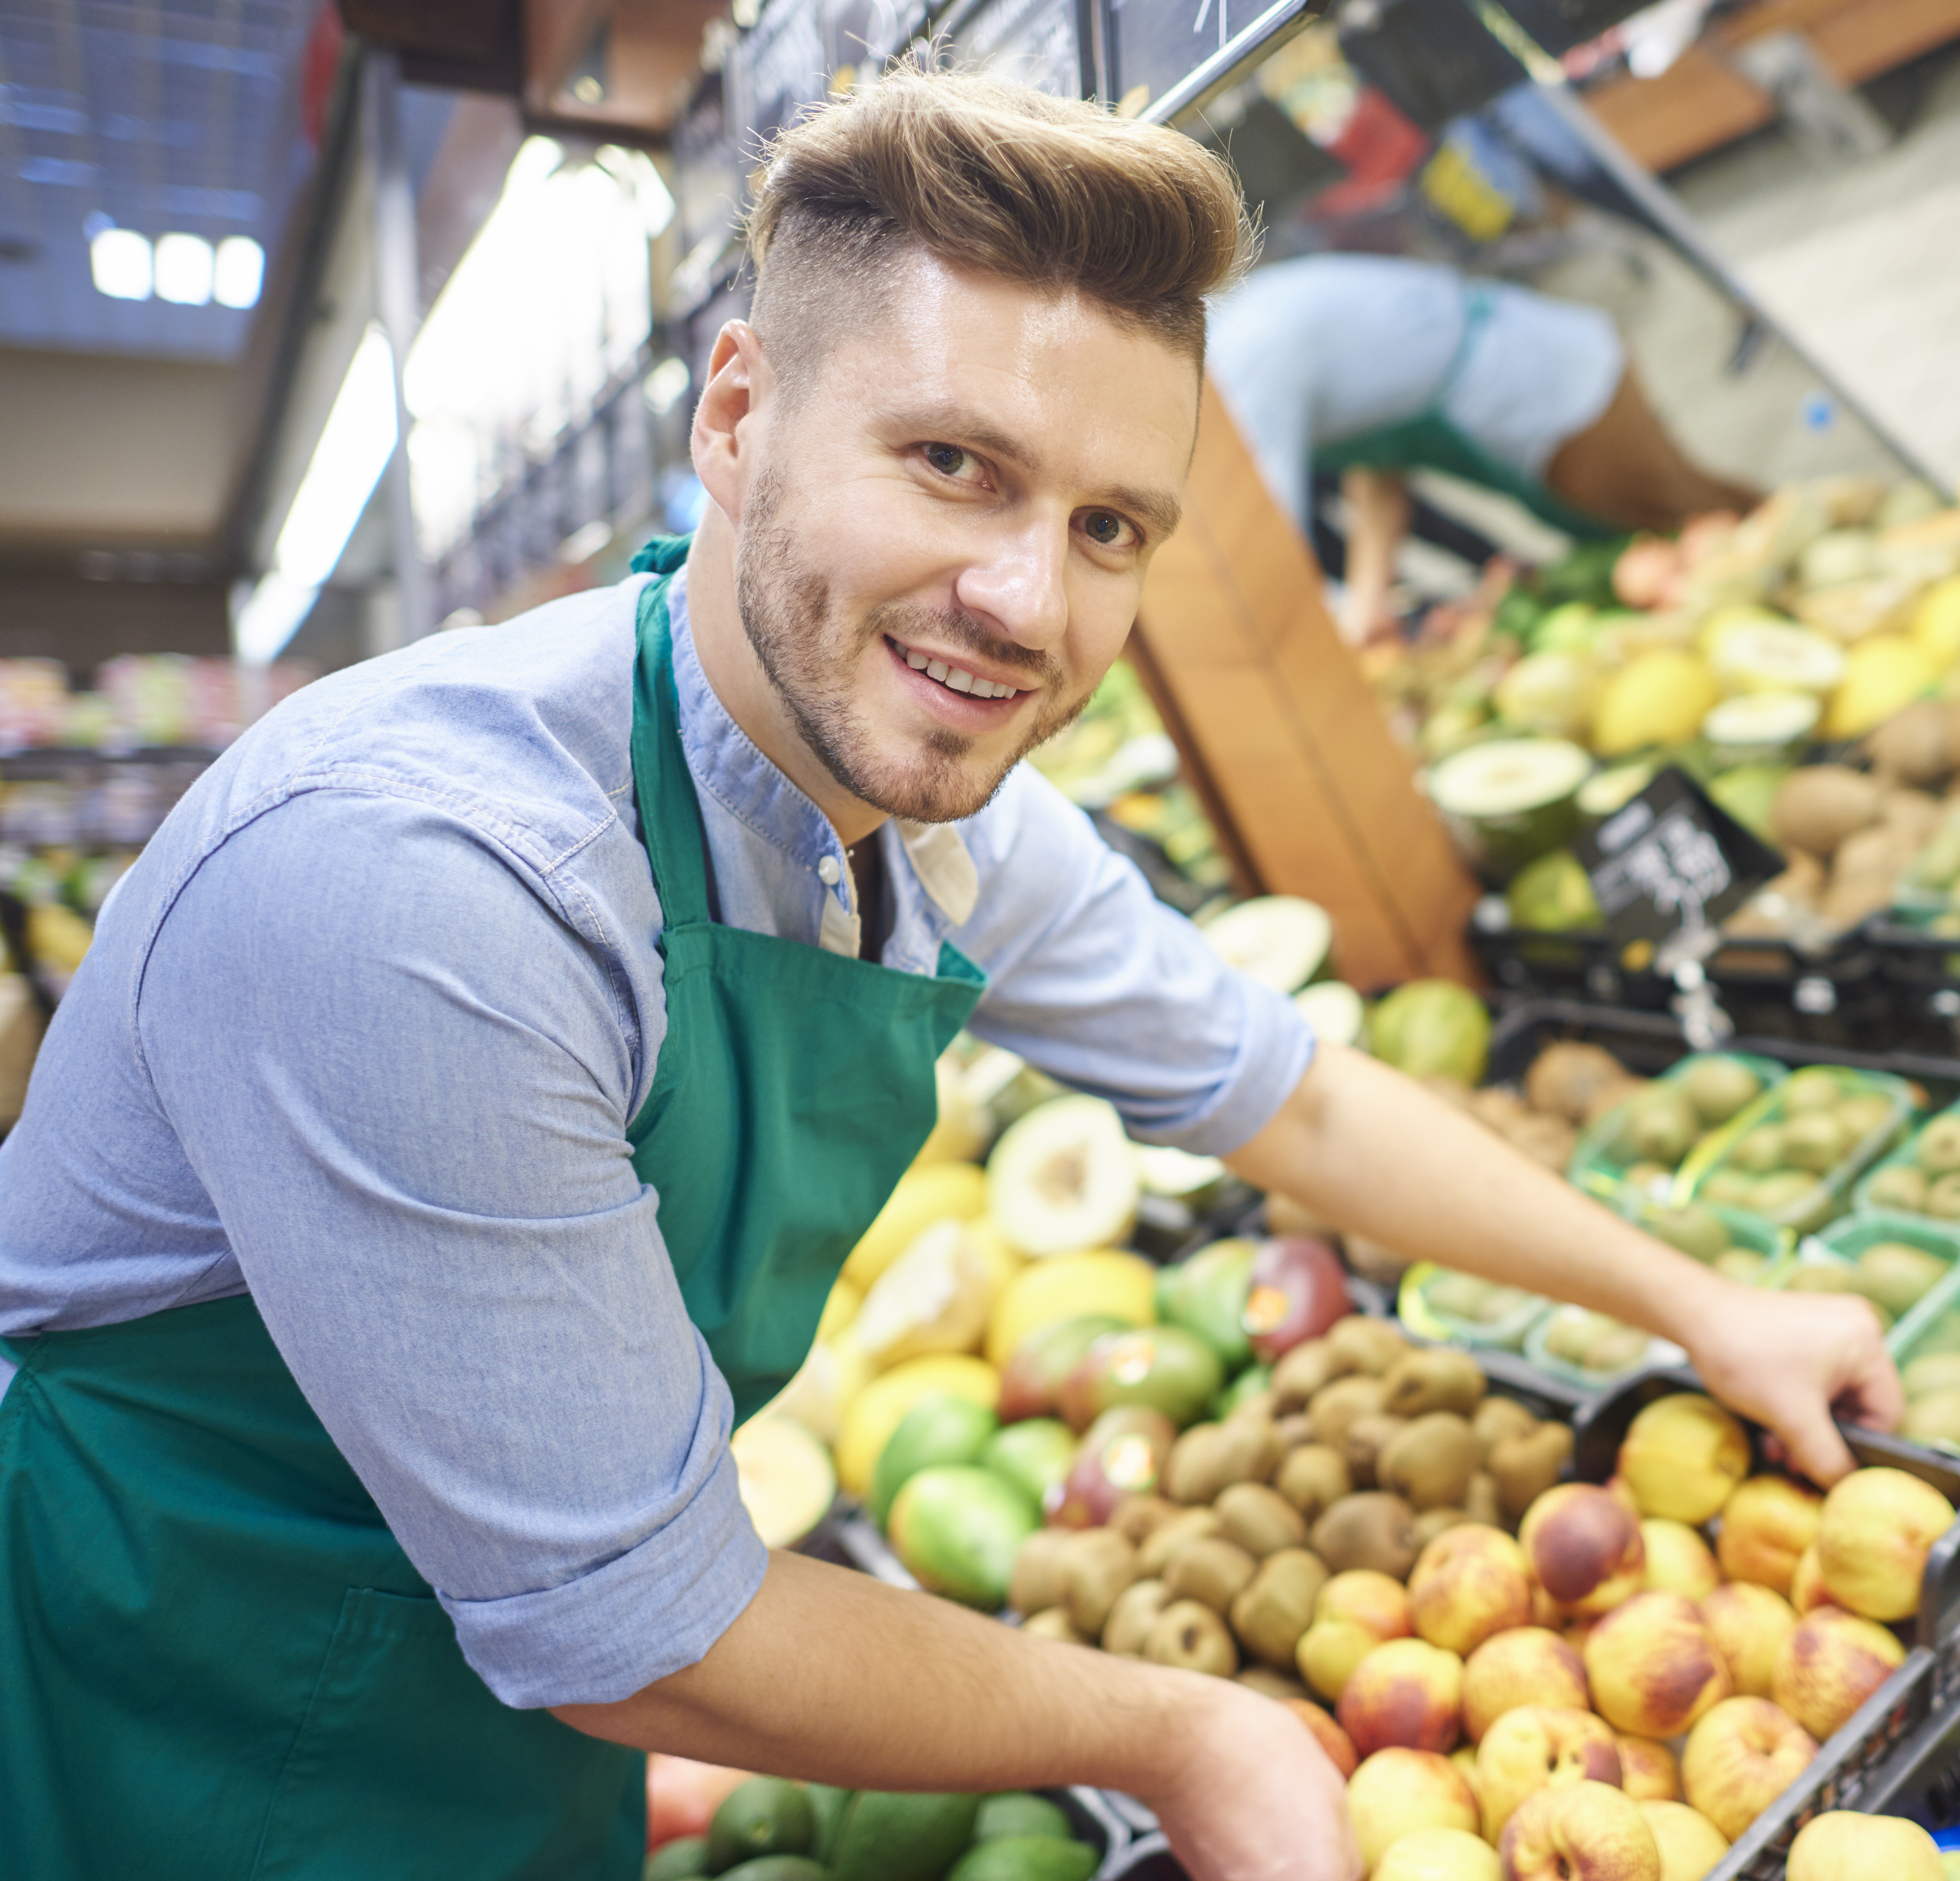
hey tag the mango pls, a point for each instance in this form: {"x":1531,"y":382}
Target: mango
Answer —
{"x":942,"y":1428}
{"x":881,"y":1407}
{"x":1067,"y":1287}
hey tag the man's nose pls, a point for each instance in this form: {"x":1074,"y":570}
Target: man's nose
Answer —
{"x":1020,"y":589}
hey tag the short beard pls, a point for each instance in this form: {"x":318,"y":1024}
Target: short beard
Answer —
{"x":811,"y":659}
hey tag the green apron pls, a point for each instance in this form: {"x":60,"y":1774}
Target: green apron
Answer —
{"x":1430,"y":440}
{"x":216,"y":1663}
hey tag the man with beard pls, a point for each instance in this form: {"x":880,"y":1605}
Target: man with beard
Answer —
{"x":476,"y":1085}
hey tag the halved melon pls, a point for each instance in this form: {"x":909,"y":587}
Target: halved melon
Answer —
{"x":1760,"y":656}
{"x":1063,"y":1178}
{"x":1761,"y":727}
{"x":1606,"y":791}
{"x":1511,"y":800}
{"x":1280,"y":941}
{"x":787,"y":1479}
{"x":1335,"y":1011}
{"x":1164,"y":1169}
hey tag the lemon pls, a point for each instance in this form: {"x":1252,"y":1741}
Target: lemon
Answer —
{"x":939,"y":1192}
{"x":1659,"y":698}
{"x":1069,"y":1286}
{"x":1935,"y":621}
{"x":881,"y":1407}
{"x":1882,"y":672}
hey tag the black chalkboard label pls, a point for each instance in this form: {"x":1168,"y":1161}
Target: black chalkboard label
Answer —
{"x":1671,"y":859}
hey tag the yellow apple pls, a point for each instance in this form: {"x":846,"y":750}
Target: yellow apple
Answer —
{"x":1678,"y":1560}
{"x":1767,"y":1524}
{"x":1537,"y":1747}
{"x":1682,"y":1457}
{"x":1528,"y":1665}
{"x":1397,"y":1792}
{"x":1842,"y":1845}
{"x":1585,"y":1549}
{"x":1740,"y":1759}
{"x":1872,"y":1540}
{"x":1469,"y":1584}
{"x":1690,"y":1844}
{"x":1587,"y":1832}
{"x":1749,"y":1623}
{"x":1653,"y":1667}
{"x":1831,"y":1662}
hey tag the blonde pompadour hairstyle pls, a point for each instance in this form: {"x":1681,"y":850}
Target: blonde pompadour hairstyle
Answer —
{"x":999,"y":180}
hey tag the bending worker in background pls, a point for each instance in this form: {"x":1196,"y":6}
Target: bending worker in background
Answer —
{"x":476,"y":1085}
{"x":1374,"y":366}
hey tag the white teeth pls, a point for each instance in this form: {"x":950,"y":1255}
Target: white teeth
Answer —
{"x":916,"y":661}
{"x":936,"y":670}
{"x":958,"y":681}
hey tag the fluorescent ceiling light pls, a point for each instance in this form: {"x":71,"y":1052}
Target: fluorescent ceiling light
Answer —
{"x":353,"y":451}
{"x":240,"y":271}
{"x":120,"y":260}
{"x":184,"y":270}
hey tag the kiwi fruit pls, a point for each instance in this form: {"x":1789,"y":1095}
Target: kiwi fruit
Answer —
{"x":1934,"y":1371}
{"x":1213,"y":1571}
{"x":1811,"y":1090}
{"x":1759,"y":1152}
{"x":1546,"y":1140}
{"x":1363,"y":1443}
{"x":1934,"y":1418}
{"x":1694,"y":1230}
{"x":1358,"y":1344}
{"x":1429,"y":1461}
{"x":1276,"y":1607}
{"x":1942,"y":1336}
{"x":1136,"y":1518}
{"x":1193,"y":1524}
{"x":1053,"y":1623}
{"x":1300,"y":1374}
{"x":1097,"y":1566}
{"x":1294,"y":1429}
{"x":1188,"y":1635}
{"x":1313,"y":1478}
{"x":1271,"y":1684}
{"x":1660,"y":1126}
{"x":1816,"y":1141}
{"x":1132,"y":1617}
{"x":1338,"y":1405}
{"x":1439,"y":1378}
{"x":1938,"y":1150}
{"x":1742,"y":1264}
{"x":1370,"y":1529}
{"x":1260,"y":1407}
{"x":1431,"y":1522}
{"x":1897,"y":1276}
{"x":1731,"y":1188}
{"x":1524,"y":1467}
{"x":1261,"y":1520}
{"x":1718,"y":1087}
{"x":1899,"y":1186}
{"x":1208,"y":1457}
{"x":1567,"y":1076}
{"x":1498,"y":1417}
{"x":1942,"y":1198}
{"x":1786,"y":1191}
{"x":1036,"y":1583}
{"x":1864,"y":1112}
{"x":1480,"y":1502}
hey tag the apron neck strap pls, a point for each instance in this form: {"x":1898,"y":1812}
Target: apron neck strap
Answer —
{"x":663,"y":786}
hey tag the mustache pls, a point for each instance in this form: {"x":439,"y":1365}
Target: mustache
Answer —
{"x":952,"y":627}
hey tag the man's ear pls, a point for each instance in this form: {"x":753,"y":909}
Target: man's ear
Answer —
{"x":724,"y":440}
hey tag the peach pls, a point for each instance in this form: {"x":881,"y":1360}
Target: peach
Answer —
{"x":1750,"y":1623}
{"x":1546,"y":1610}
{"x":1332,"y":1739}
{"x":1873,"y":1538}
{"x":1767,"y":1524}
{"x":1439,"y":1854}
{"x":1587,"y":1832}
{"x":1842,"y":1845}
{"x":1407,"y":1695}
{"x":1806,"y":1584}
{"x":1678,"y":1560}
{"x":1682,"y":1457}
{"x":1469,"y":1584}
{"x":1585,"y":1549}
{"x":1397,"y":1791}
{"x":1690,"y":1844}
{"x":1653,"y":1667}
{"x":1740,"y":1759}
{"x":1527,"y":1664}
{"x":1648,"y":1771}
{"x":1536,"y":1747}
{"x":1831,"y":1662}
{"x":1355,"y":1612}
{"x":1328,"y":1653}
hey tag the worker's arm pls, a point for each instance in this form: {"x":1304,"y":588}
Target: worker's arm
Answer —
{"x":1371,"y":1150}
{"x":1377,"y":519}
{"x":831,"y":1675}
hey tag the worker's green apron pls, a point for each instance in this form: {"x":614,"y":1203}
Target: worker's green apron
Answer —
{"x":215,"y":1660}
{"x":1431,"y":440}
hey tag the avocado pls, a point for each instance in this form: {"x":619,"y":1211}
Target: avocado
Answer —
{"x":890,"y":1837}
{"x":1027,"y":1858}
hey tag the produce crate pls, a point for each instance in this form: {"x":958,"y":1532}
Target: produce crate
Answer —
{"x":1923,"y":971}
{"x":1906,"y":1153}
{"x":1539,"y":1353}
{"x":1908,"y":1732}
{"x":1422,"y":1319}
{"x":1841,"y":1243}
{"x":1596,"y":1169}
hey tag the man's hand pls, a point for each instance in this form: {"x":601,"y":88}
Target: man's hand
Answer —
{"x":1262,"y":1803}
{"x":1789,"y":1360}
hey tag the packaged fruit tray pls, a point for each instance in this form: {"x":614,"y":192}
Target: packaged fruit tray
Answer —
{"x":1741,"y":1246}
{"x":1925,"y":1347}
{"x":1439,"y":1304}
{"x":1901,"y":1265}
{"x":1694,"y":1104}
{"x":1921,"y":1178}
{"x":1593,"y":1353}
{"x":1793,"y":1156}
{"x":1909,"y":1723}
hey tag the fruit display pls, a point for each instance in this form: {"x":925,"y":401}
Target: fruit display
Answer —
{"x":768,"y":1828}
{"x":1922,"y":1177}
{"x":1642,"y":1141}
{"x":1894,"y":1263}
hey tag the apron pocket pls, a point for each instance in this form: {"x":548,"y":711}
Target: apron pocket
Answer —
{"x":406,"y":1768}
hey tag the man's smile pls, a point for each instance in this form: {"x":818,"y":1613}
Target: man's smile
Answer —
{"x":948,"y":680}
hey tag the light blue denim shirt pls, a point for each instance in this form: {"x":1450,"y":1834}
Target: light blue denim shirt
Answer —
{"x":361,"y":1032}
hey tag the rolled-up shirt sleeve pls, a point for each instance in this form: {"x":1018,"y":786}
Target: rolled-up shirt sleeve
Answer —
{"x":404,"y":1078}
{"x":1093,"y":980}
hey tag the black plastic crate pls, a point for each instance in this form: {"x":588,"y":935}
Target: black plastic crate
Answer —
{"x":1902,"y":1746}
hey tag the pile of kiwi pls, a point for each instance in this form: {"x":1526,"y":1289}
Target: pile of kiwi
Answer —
{"x":1362,"y":1450}
{"x":1782,"y":1169}
{"x":1658,"y":1125}
{"x":1932,"y":1381}
{"x":1928,"y":1182}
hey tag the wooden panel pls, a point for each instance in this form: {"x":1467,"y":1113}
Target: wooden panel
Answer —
{"x":1319,"y":799}
{"x":1859,"y":41}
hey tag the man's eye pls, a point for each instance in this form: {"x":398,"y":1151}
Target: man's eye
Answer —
{"x":948,"y":459}
{"x":1107,"y":530}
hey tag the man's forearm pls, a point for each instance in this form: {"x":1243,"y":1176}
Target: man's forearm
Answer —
{"x":1371,"y":1151}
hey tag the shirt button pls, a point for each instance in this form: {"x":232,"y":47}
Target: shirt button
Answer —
{"x":828,"y":872}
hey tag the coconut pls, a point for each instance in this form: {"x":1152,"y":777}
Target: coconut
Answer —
{"x":1819,"y":805}
{"x":1760,"y":728}
{"x":1335,"y":1011}
{"x":1280,"y":941}
{"x":1509,"y":801}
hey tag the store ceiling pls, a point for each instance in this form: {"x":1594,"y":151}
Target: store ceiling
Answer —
{"x":171,"y":116}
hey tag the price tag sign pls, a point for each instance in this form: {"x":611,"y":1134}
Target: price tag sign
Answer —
{"x":1672,"y":860}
